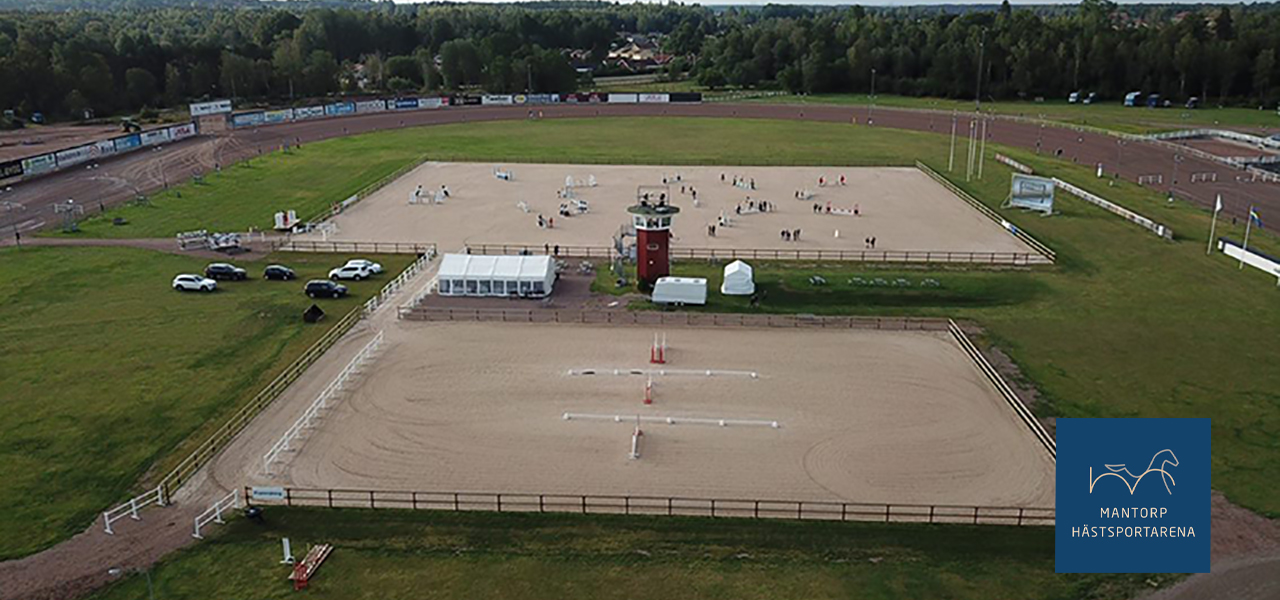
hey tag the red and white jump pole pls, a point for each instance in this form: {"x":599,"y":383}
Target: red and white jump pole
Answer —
{"x":648,"y":391}
{"x":658,"y":352}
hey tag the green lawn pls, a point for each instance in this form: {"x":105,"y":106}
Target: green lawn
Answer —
{"x":1109,"y":114}
{"x":107,"y":370}
{"x":406,"y":554}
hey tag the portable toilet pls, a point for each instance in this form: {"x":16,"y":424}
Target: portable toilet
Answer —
{"x":1131,"y":99}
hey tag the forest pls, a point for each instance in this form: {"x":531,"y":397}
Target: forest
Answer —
{"x":65,"y":57}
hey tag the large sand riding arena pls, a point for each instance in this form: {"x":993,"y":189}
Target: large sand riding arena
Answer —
{"x":901,"y":207}
{"x":863,"y":416}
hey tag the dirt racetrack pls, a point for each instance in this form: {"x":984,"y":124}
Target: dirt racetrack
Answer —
{"x":901,"y":207}
{"x":115,"y":180}
{"x":864,"y":416}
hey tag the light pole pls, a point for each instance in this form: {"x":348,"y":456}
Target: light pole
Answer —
{"x":982,"y":46}
{"x":873,"y":96}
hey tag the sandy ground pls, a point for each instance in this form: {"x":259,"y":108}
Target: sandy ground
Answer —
{"x":901,"y":207}
{"x":864,"y":416}
{"x":34,"y":139}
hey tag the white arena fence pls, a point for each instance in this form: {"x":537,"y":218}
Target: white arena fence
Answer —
{"x":1044,"y":253}
{"x":1005,"y":391}
{"x":366,"y":191}
{"x":130,"y":509}
{"x":671,"y":420}
{"x":1116,"y":209}
{"x":688,"y":319}
{"x":780,"y":254}
{"x":338,"y":247}
{"x":593,"y":504}
{"x":394,"y":286}
{"x":321,"y":402}
{"x":214,"y":513}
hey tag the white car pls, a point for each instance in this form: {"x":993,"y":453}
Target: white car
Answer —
{"x":373,"y":267}
{"x":350,"y":271}
{"x":194,"y":283}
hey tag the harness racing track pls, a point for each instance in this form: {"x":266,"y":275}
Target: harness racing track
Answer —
{"x":116,"y":180}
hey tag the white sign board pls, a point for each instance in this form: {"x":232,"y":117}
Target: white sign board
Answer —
{"x":217,"y":107}
{"x":266,"y":493}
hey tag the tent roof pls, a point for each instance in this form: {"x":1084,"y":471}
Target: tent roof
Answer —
{"x":737,"y":266}
{"x":470,"y":266}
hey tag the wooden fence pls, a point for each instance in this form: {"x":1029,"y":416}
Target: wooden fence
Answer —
{"x":813,"y":255}
{"x":666,"y":506}
{"x":691,"y":319}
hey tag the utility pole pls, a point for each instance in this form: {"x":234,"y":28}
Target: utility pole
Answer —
{"x":951,"y":163}
{"x":873,"y":95}
{"x":982,"y":154}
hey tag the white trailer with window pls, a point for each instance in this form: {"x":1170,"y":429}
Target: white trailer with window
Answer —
{"x":496,"y":276}
{"x":678,"y":291}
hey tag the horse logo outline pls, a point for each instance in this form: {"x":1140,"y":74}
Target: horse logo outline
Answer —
{"x":1116,"y":470}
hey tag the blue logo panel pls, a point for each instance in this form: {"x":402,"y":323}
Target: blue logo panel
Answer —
{"x":1132,"y":496}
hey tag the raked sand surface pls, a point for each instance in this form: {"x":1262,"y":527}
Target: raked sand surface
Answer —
{"x":864,"y":416}
{"x":900,"y":206}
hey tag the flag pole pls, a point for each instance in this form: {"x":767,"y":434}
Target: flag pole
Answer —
{"x":1248,"y":224}
{"x":1213,"y":225}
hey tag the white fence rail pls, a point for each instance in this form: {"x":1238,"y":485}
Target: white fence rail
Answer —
{"x":130,"y":509}
{"x":671,"y":420}
{"x":214,"y":513}
{"x":321,"y":402}
{"x":390,"y":290}
{"x":1005,"y":391}
{"x":1116,"y":209}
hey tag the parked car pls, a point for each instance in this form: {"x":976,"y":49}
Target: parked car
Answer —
{"x":188,"y":282}
{"x":373,"y":267}
{"x":225,"y":271}
{"x":279,"y":273}
{"x":323,"y":288}
{"x":350,"y":271}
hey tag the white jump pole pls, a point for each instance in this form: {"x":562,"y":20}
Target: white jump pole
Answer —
{"x":635,"y":443}
{"x":648,"y":391}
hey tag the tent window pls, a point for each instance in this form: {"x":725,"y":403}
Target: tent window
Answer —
{"x":444,"y":286}
{"x":513,"y":287}
{"x":537,"y":287}
{"x":458,"y":287}
{"x":525,"y":287}
{"x":472,"y":286}
{"x":484,"y":287}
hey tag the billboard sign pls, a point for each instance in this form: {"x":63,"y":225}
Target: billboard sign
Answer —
{"x":340,"y":108}
{"x":541,"y":98}
{"x":182,"y":132}
{"x":127,"y":142}
{"x":264,"y":493}
{"x":39,"y":164}
{"x":623,"y":98}
{"x":9,"y":169}
{"x":155,"y":136}
{"x":685,"y":97}
{"x":465,"y":100}
{"x":432,"y":102}
{"x":104,"y":148}
{"x":308,"y":112}
{"x":654,"y":98}
{"x":405,"y":103}
{"x":217,"y":107}
{"x":1032,"y":193}
{"x":272,"y":117}
{"x":251,"y":119}
{"x":371,"y":106}
{"x":496,"y":100}
{"x":74,"y":156}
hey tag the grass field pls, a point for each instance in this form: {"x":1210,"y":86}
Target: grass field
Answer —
{"x":1126,"y":325}
{"x":404,"y":554}
{"x":107,"y":370}
{"x":1110,"y":114}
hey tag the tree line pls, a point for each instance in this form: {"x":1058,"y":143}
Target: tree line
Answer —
{"x":118,"y":56}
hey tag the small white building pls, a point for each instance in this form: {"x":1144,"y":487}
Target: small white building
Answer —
{"x":738,"y":279}
{"x":679,"y":291}
{"x":503,"y":276}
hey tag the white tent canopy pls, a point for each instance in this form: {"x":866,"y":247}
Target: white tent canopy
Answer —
{"x":738,"y":279}
{"x":471,"y":275}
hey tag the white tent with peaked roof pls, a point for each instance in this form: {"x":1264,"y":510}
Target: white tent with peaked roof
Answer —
{"x":738,"y":279}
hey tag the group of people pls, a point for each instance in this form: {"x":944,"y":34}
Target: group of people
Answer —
{"x":791,"y":235}
{"x":869,"y":243}
{"x":822,"y":181}
{"x":742,"y":182}
{"x":803,"y":195}
{"x":819,"y":209}
{"x":750,"y":206}
{"x":545,"y":222}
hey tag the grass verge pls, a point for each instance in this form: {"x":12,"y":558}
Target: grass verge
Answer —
{"x":424,"y":554}
{"x":107,"y":370}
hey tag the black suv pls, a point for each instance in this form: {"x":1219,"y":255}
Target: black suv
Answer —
{"x":279,"y":273}
{"x":225,"y":271}
{"x":323,"y":288}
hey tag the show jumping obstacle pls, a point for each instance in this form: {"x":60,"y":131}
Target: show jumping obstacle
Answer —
{"x":658,"y":352}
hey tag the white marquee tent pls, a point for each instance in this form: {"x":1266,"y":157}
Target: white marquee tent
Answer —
{"x":738,"y":279}
{"x":472,"y":275}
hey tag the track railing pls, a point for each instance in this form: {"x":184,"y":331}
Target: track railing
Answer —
{"x":366,"y":191}
{"x":394,"y":286}
{"x":335,"y":247}
{"x":130,"y":509}
{"x":214,"y":513}
{"x":691,"y":319}
{"x":321,"y":402}
{"x":1047,"y":253}
{"x":668,"y":506}
{"x":799,"y":254}
{"x":1005,"y":391}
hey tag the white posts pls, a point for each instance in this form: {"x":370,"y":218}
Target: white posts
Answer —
{"x":130,"y":509}
{"x":288,"y":552}
{"x":214,"y":513}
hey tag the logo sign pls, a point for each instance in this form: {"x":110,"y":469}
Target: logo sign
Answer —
{"x":9,"y":169}
{"x":266,"y":493}
{"x":1132,"y":496}
{"x":217,"y":107}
